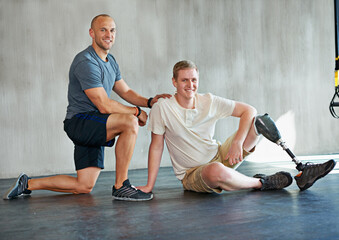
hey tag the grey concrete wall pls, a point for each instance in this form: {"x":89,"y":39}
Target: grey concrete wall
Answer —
{"x":276,"y":55}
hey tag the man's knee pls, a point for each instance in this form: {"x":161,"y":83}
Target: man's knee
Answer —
{"x":128,"y":122}
{"x":119,"y":123}
{"x":86,"y":179}
{"x":133,"y":123}
{"x":215,"y":172}
{"x":130,"y":125}
{"x":84,"y":188}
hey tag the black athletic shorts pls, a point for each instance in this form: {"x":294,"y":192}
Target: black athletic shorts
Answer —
{"x":88,"y":133}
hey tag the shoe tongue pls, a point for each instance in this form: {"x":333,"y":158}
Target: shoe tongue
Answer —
{"x":126,"y":183}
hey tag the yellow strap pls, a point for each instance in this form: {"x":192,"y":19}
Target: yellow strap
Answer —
{"x":336,"y":78}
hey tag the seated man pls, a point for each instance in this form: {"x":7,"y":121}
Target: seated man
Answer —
{"x":187,"y":123}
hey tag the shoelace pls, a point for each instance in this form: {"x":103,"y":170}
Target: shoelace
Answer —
{"x":133,"y":187}
{"x":312,"y":167}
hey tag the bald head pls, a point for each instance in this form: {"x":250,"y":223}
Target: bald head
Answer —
{"x":95,"y":19}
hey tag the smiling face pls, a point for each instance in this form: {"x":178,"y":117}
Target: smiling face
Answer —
{"x":186,"y":83}
{"x":103,"y":31}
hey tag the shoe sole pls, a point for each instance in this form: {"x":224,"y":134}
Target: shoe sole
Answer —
{"x":308,"y":185}
{"x":132,"y":199}
{"x":10,"y":190}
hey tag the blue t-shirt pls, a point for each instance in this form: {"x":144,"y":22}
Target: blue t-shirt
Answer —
{"x":87,"y":71}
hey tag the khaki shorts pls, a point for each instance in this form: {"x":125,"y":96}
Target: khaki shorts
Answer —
{"x":193,"y":180}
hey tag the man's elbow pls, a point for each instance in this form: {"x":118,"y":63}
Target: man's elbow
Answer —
{"x":249,"y":112}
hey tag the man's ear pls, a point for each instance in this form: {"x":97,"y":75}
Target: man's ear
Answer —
{"x":91,"y":33}
{"x":174,"y":82}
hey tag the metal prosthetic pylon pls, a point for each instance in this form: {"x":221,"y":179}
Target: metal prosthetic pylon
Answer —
{"x":265,"y":125}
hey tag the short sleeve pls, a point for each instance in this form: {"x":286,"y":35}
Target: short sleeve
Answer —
{"x":88,"y":74}
{"x":224,"y":107}
{"x":156,"y":124}
{"x":117,"y":71}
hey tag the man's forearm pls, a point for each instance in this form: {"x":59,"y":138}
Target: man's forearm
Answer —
{"x":105,"y":105}
{"x":134,"y":98}
{"x":154,"y":159}
{"x":245,"y":124}
{"x":113,"y":106}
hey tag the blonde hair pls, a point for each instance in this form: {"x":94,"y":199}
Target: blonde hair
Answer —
{"x":184,"y":64}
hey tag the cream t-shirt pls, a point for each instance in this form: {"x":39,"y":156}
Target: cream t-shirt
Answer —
{"x":189,"y":132}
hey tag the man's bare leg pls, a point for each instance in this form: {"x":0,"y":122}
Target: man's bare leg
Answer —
{"x":126,"y":126}
{"x":216,"y":175}
{"x":83,"y":183}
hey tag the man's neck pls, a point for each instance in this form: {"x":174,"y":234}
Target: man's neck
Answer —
{"x":185,"y":103}
{"x":100,"y":52}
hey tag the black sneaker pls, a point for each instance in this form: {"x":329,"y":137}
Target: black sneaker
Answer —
{"x":129,"y":193}
{"x":19,"y":187}
{"x":312,"y":172}
{"x":276,"y":181}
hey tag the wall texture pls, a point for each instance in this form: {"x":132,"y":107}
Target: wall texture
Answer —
{"x":276,"y":55}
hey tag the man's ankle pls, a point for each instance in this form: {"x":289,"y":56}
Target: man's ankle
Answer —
{"x":118,"y":184}
{"x":28,"y":188}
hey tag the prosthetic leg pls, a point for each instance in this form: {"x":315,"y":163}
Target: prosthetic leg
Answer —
{"x":265,"y":125}
{"x":309,"y":173}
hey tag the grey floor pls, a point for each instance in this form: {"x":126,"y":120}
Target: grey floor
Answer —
{"x":175,"y":213}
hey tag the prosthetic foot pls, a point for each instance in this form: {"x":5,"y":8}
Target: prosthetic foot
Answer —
{"x":309,"y":173}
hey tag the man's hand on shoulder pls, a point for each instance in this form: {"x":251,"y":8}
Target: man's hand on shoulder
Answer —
{"x":156,"y":98}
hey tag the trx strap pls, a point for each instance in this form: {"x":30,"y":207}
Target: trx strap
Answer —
{"x":334,"y":104}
